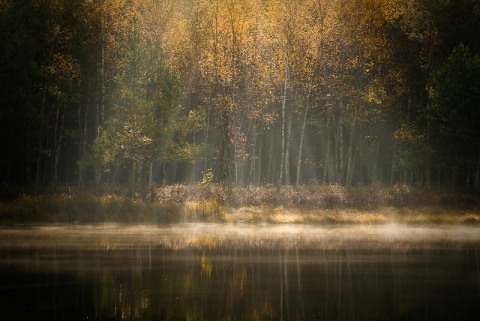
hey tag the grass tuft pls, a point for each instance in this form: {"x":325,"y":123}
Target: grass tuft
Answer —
{"x":204,"y":211}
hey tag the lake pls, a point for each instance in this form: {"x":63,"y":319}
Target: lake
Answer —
{"x":240,"y":272}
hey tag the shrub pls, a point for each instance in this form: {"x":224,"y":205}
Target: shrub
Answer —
{"x":208,"y":202}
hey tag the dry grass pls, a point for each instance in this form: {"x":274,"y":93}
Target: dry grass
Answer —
{"x":322,"y":204}
{"x":384,"y":215}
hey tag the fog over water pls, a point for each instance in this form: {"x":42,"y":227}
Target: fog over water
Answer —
{"x":240,"y":272}
{"x":178,"y":236}
{"x":263,"y":235}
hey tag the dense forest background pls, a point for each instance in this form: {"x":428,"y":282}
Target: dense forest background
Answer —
{"x":240,"y":92}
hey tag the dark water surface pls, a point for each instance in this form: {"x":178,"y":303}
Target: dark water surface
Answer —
{"x":240,"y":272}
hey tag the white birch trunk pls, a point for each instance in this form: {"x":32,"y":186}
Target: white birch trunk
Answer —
{"x":287,"y":151}
{"x":284,"y":102}
{"x":302,"y":136}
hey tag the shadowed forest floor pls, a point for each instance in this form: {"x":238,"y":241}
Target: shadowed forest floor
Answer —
{"x":315,"y":203}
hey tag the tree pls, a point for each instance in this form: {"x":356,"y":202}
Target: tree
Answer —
{"x":453,"y":116}
{"x":143,"y":101}
{"x":21,"y":120}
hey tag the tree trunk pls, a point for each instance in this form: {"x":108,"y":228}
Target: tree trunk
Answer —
{"x":302,"y":136}
{"x":83,"y":148}
{"x":284,"y":102}
{"x":251,"y":174}
{"x":58,"y":142}
{"x":326,"y":162}
{"x":40,"y":137}
{"x":150,"y":174}
{"x":28,"y":162}
{"x":394,"y":159}
{"x":98,"y":163}
{"x":133,"y":180}
{"x":225,"y":148}
{"x":339,"y":148}
{"x":206,"y":164}
{"x":376,"y":161}
{"x":477,"y":170}
{"x":350,"y":156}
{"x":287,"y":151}
{"x":272,"y":157}
{"x":258,"y":163}
{"x":235,"y":157}
{"x":102,"y":98}
{"x":327,"y":167}
{"x":150,"y":182}
{"x":427,"y":166}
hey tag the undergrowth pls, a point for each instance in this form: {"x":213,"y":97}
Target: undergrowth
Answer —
{"x":212,"y":203}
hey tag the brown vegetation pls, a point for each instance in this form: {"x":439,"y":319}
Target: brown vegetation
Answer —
{"x":302,"y":204}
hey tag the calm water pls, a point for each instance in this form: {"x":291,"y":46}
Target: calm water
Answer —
{"x":240,"y":272}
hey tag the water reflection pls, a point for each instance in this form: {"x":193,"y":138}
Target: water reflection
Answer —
{"x":220,"y":272}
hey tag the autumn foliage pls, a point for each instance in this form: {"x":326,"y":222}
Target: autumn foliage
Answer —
{"x":259,"y":92}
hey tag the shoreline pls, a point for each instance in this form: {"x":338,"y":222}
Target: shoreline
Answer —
{"x":313,"y":204}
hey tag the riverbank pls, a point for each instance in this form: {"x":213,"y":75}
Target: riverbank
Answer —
{"x":315,"y":203}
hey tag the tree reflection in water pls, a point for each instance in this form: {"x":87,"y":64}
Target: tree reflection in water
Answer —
{"x":290,"y":274}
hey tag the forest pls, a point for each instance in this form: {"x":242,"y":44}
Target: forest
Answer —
{"x":240,"y":92}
